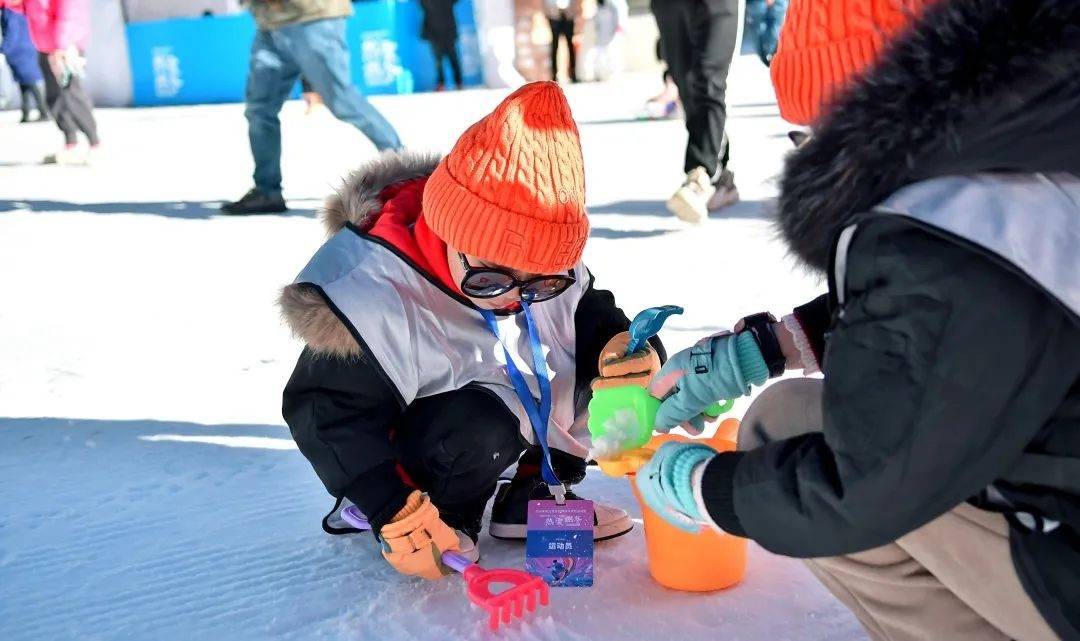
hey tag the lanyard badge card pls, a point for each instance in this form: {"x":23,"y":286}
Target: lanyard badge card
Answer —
{"x":559,"y":539}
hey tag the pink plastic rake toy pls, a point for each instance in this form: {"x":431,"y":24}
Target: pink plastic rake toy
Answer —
{"x":521,"y":597}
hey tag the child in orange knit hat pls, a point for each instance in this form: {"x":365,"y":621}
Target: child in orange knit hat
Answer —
{"x":446,"y":315}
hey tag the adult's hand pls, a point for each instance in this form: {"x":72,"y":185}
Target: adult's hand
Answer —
{"x":717,"y":368}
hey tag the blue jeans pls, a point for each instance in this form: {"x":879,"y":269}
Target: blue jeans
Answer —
{"x":319,"y":52}
{"x":767,"y":20}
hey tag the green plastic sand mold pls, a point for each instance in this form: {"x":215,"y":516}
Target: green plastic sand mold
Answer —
{"x":623,"y":418}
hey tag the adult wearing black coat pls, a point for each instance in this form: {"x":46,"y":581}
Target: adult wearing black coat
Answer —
{"x":933,"y":476}
{"x":440,"y":29}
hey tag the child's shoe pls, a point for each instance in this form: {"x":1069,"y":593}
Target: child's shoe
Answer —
{"x":509,"y":512}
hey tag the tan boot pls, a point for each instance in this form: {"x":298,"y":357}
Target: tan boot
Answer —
{"x":690,"y":202}
{"x":726,"y":192}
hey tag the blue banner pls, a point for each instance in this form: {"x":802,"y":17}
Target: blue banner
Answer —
{"x":205,"y":60}
{"x":190,"y":60}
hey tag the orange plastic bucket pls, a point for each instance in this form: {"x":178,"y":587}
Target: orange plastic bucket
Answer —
{"x":701,"y":562}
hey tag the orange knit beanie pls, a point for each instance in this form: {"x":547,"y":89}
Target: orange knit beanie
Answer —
{"x":824,"y":43}
{"x":512,"y":191}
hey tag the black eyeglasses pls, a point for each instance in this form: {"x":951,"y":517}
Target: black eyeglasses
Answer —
{"x":491,"y":282}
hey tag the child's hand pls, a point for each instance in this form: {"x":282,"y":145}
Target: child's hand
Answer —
{"x":618,"y":368}
{"x":414,"y":541}
{"x":717,"y":368}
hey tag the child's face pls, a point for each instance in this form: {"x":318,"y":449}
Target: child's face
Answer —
{"x":509,"y":299}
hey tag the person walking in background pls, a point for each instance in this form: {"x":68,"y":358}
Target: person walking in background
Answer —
{"x":440,"y":29}
{"x":562,"y":16}
{"x":18,"y":49}
{"x":766,"y":16}
{"x":603,"y":60}
{"x":698,"y":40}
{"x":294,"y":38}
{"x":60,"y":30}
{"x":666,"y":103}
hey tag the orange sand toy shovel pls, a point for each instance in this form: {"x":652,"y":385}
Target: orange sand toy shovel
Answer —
{"x":522,"y":595}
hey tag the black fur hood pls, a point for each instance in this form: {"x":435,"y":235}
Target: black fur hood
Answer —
{"x":974,"y":85}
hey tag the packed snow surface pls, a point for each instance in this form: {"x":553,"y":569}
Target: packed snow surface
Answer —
{"x":150,"y":488}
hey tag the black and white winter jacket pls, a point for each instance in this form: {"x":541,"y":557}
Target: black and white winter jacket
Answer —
{"x":941,"y":197}
{"x":381,"y":333}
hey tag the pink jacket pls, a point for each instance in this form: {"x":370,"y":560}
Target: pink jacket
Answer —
{"x":58,"y":24}
{"x":13,"y":5}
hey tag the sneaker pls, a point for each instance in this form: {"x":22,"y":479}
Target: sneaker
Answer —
{"x":661,"y":110}
{"x":93,"y":155}
{"x":509,"y":512}
{"x":691,"y":201}
{"x":726,"y":192}
{"x":255,"y":202}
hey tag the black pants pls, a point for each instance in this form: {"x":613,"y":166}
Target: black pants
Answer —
{"x":32,"y":94}
{"x":70,"y":105}
{"x":447,"y":51}
{"x":455,"y":446}
{"x":563,"y":27}
{"x":698,"y":40}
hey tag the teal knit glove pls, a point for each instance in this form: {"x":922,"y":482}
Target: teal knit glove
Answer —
{"x":664,"y":483}
{"x":718,"y":368}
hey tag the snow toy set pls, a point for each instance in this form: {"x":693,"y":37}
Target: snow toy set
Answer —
{"x":621,"y":419}
{"x":621,"y":423}
{"x":559,"y":547}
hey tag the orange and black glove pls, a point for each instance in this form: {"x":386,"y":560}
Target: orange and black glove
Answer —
{"x":618,"y":368}
{"x":413,"y":542}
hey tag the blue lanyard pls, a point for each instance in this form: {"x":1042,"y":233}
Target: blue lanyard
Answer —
{"x":539,"y":411}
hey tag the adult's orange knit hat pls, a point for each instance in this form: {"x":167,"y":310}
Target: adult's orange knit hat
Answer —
{"x":824,"y":43}
{"x":512,"y":191}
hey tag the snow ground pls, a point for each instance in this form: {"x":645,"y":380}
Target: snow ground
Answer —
{"x":149,"y":487}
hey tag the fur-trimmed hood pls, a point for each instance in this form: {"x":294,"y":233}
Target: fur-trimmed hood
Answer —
{"x":974,"y":85}
{"x":357,"y":201}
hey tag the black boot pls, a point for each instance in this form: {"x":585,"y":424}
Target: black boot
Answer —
{"x":255,"y":202}
{"x":24,"y":90}
{"x":509,"y":512}
{"x":42,"y":105}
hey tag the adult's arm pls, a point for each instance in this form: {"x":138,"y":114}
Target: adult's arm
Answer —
{"x":941,"y":368}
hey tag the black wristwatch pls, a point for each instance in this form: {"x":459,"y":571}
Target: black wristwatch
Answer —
{"x":761,"y":328}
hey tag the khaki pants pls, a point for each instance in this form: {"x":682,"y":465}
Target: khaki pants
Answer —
{"x":951,"y":579}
